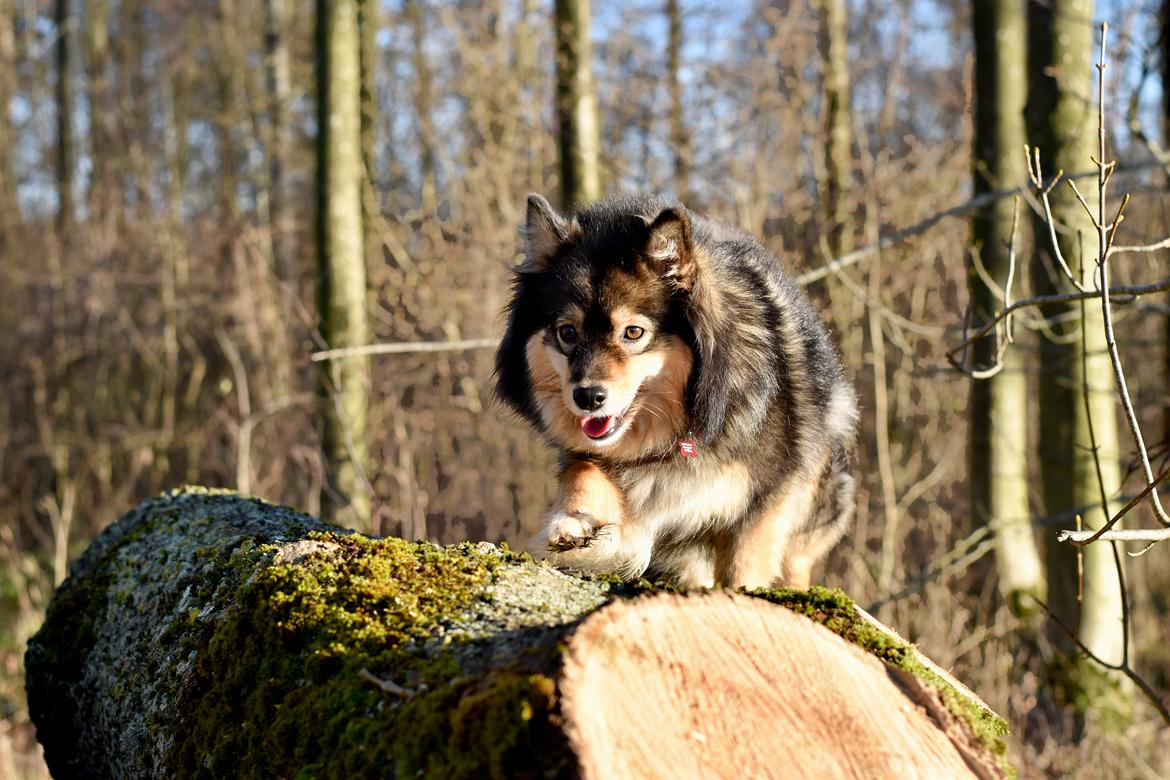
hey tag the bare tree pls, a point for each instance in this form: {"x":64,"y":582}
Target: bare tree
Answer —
{"x":680,"y":141}
{"x":1164,"y":43}
{"x":424,"y":94}
{"x":838,"y":135}
{"x":576,"y":104}
{"x":8,"y":204}
{"x":341,"y":260}
{"x":65,"y":153}
{"x":276,"y":66}
{"x":1079,"y":449}
{"x":999,"y":402}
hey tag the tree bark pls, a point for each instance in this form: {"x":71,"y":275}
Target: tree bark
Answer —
{"x":342,"y":263}
{"x":276,"y":67}
{"x":101,"y":197}
{"x":838,"y":132}
{"x":65,"y":155}
{"x":680,"y":142}
{"x":423,"y":96}
{"x":9,"y":208}
{"x":1164,"y":45}
{"x":999,"y":405}
{"x":207,"y":634}
{"x":576,"y":105}
{"x":1077,"y":398}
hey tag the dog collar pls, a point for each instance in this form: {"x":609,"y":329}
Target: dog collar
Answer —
{"x":687,"y":446}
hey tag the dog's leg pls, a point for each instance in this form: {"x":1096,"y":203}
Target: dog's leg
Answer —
{"x":752,"y":555}
{"x":587,"y":501}
{"x":690,"y":566}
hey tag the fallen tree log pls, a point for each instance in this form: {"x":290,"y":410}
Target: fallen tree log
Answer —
{"x":206,"y":634}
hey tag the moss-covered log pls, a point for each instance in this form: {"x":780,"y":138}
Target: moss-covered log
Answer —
{"x":206,"y":634}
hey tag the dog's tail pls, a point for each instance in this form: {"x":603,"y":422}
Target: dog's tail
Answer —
{"x":843,"y":489}
{"x":828,"y":524}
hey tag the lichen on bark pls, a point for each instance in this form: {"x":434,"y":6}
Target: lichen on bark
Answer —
{"x":209,"y":634}
{"x":241,"y":629}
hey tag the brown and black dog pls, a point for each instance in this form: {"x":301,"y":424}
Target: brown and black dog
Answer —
{"x":700,"y":410}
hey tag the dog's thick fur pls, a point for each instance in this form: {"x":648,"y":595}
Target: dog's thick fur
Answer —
{"x":688,"y":331}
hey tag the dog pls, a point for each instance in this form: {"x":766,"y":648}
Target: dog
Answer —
{"x":704,"y":424}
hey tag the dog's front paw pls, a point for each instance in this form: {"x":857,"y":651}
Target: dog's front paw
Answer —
{"x":571,"y":531}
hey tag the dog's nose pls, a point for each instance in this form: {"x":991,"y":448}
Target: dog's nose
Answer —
{"x":589,"y":398}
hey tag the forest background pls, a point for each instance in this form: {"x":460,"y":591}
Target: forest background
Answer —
{"x":179,"y":244}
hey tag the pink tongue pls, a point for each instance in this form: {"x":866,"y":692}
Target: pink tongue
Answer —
{"x":596,"y":427}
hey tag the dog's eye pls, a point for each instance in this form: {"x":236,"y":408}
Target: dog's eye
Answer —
{"x":633,"y":333}
{"x":567,"y":334}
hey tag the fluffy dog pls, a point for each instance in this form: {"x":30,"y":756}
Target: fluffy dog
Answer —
{"x":704,"y":425}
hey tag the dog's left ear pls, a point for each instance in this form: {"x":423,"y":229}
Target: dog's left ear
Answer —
{"x":544,"y":232}
{"x":670,"y":249}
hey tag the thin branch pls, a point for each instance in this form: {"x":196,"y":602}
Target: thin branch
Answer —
{"x":1032,"y":155}
{"x":1081,"y":538}
{"x":389,"y":686}
{"x":1143,"y":249}
{"x":405,"y":347}
{"x":1124,"y":668}
{"x":1104,"y":242}
{"x":1117,"y":295}
{"x":923,"y":225}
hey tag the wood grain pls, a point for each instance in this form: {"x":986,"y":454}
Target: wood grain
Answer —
{"x":725,"y":686}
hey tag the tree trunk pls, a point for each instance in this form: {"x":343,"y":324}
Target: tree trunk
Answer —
{"x":101,"y":197}
{"x":527,"y":49}
{"x":423,"y":95}
{"x":1077,"y":400}
{"x":576,"y":105}
{"x":342,"y":262}
{"x":207,"y":634}
{"x":65,"y":155}
{"x":278,"y":84}
{"x":9,"y":210}
{"x":679,"y":139}
{"x":999,"y":405}
{"x":838,"y":133}
{"x":1164,"y":44}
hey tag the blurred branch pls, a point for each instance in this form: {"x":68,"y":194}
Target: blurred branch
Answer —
{"x":1124,"y":294}
{"x":1124,"y":668}
{"x":404,"y":347}
{"x":923,"y":225}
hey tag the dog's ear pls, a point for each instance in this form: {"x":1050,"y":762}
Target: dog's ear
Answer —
{"x":544,"y":232}
{"x":670,"y":250}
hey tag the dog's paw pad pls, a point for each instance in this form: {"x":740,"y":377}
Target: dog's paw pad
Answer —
{"x":571,"y":532}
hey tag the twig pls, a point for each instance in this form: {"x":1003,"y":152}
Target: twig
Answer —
{"x":1117,"y":295}
{"x":1124,"y":668}
{"x":1081,"y":538}
{"x":1036,"y":174}
{"x":1105,"y":234}
{"x":1143,"y":249}
{"x":923,"y":225}
{"x":404,"y":347}
{"x":389,"y":686}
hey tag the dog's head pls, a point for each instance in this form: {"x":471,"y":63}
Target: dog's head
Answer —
{"x":600,"y":343}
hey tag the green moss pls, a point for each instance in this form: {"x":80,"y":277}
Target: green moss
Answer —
{"x":836,"y":611}
{"x":279,"y":691}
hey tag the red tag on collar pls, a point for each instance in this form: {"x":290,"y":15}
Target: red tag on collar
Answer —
{"x":687,"y":448}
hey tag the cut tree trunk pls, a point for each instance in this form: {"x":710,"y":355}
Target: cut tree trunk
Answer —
{"x":206,"y":634}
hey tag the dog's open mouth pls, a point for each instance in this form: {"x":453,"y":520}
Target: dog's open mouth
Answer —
{"x":601,"y":428}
